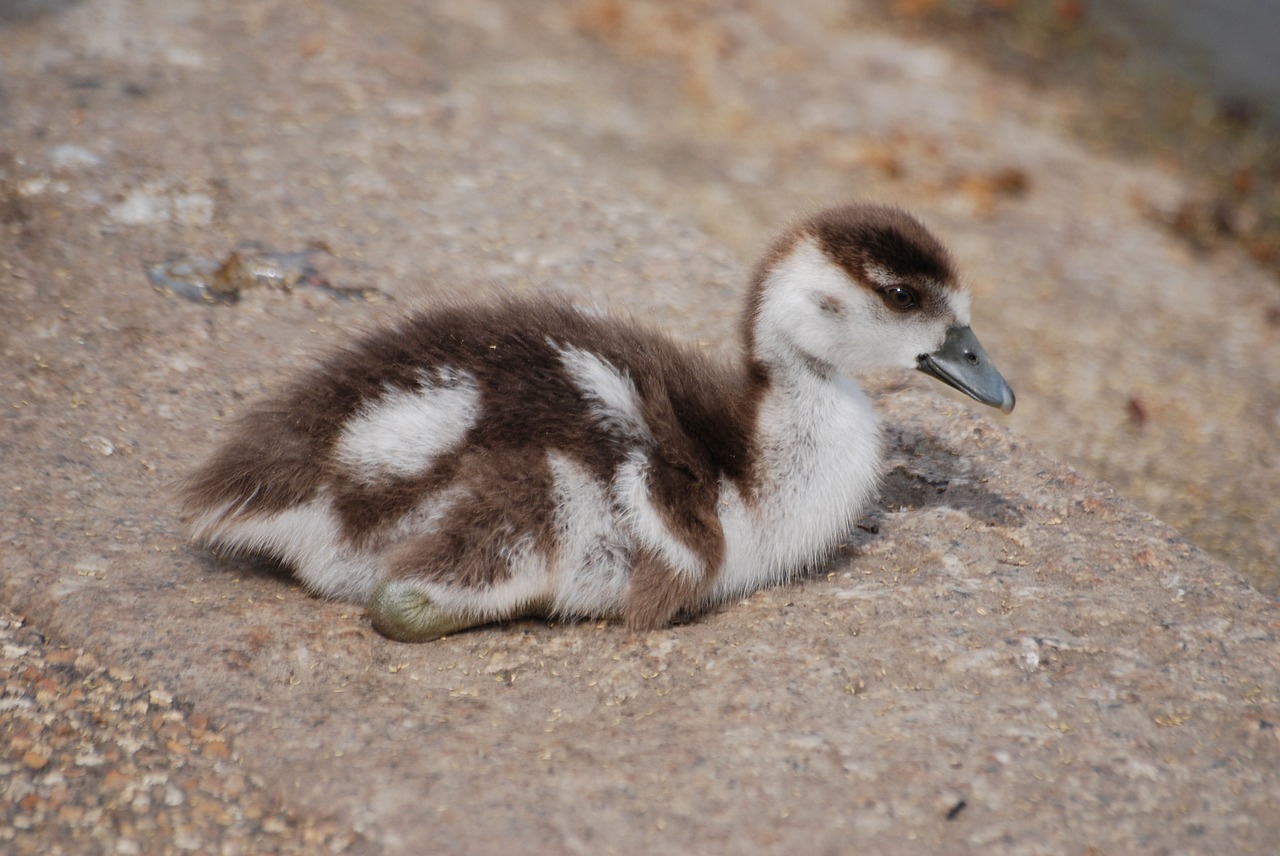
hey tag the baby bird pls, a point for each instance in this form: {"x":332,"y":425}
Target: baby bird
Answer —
{"x":524,"y":457}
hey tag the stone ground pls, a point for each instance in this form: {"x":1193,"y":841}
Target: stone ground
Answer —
{"x":1006,"y":654}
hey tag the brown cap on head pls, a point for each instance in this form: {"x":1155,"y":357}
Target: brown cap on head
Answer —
{"x":856,"y":236}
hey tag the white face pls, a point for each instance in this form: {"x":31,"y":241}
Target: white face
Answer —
{"x":811,"y":307}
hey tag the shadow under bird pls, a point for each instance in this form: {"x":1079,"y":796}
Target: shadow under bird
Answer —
{"x":525,"y":457}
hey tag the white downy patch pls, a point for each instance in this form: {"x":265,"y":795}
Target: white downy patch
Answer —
{"x":528,"y":585}
{"x":631,"y":493}
{"x":788,"y":312}
{"x":960,"y":302}
{"x":592,"y":572}
{"x":820,"y":444}
{"x":308,"y":538}
{"x":401,"y":433}
{"x":425,"y":517}
{"x":610,"y":392}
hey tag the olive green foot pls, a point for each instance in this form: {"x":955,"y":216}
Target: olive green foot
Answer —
{"x":402,"y":612}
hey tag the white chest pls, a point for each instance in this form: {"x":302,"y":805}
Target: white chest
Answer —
{"x":819,"y":466}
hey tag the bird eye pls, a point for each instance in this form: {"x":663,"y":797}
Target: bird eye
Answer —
{"x":900,"y":298}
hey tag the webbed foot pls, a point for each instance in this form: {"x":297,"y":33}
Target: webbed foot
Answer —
{"x":400,"y":611}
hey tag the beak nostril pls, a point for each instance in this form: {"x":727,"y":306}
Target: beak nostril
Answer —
{"x":971,"y":357}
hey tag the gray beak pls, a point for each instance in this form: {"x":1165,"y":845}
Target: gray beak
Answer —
{"x":961,"y":363}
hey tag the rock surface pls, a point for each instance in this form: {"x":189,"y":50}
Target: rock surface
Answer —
{"x":1006,"y":654}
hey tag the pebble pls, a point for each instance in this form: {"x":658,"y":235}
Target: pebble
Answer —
{"x":94,"y":760}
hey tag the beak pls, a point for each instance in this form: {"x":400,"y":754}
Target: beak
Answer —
{"x":961,"y":363}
